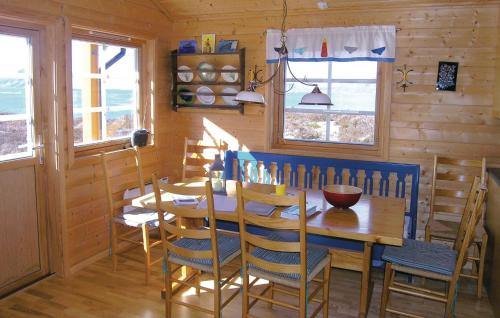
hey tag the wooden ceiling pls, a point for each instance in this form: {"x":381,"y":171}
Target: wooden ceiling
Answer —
{"x":199,"y":9}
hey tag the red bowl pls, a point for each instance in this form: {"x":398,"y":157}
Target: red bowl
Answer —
{"x":342,"y":196}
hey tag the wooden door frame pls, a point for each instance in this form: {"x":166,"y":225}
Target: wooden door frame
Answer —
{"x":36,"y":162}
{"x":50,"y":93}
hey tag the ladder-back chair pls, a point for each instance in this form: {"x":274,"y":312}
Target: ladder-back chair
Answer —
{"x":201,"y":249}
{"x":433,"y":261}
{"x":123,"y":170}
{"x":199,"y":156}
{"x":451,"y":180}
{"x":288,"y":263}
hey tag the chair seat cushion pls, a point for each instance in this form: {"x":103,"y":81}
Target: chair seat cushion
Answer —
{"x":421,"y":255}
{"x":317,"y":259}
{"x":229,"y":248}
{"x":139,"y":216}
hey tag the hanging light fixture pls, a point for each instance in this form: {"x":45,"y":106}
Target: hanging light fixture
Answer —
{"x":316,"y":97}
{"x":250,"y":95}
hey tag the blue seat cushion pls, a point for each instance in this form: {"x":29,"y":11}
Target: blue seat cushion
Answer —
{"x":229,"y":248}
{"x":317,"y":259}
{"x":421,"y":255}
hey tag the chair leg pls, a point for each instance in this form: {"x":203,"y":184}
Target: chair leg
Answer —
{"x":482,"y":260}
{"x":168,"y":291}
{"x":244,"y":300}
{"x":326,"y":289}
{"x":217,"y":299}
{"x":271,"y":294}
{"x":147,"y":251}
{"x":114,"y":245}
{"x":302,"y":302}
{"x":452,"y":288}
{"x":385,"y":290}
{"x":198,"y":282}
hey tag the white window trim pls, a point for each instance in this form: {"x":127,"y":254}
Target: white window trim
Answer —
{"x":28,"y":116}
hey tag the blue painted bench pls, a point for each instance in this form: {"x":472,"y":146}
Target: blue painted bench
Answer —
{"x":375,"y":178}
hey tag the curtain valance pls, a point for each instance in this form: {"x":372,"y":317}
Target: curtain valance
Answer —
{"x":361,"y":43}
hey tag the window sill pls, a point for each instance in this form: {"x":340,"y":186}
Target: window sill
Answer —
{"x":340,"y":151}
{"x":97,"y":147}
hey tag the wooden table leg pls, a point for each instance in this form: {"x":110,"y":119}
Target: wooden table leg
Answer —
{"x":364,"y":301}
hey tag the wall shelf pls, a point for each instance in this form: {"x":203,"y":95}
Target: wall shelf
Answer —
{"x":192,"y":60}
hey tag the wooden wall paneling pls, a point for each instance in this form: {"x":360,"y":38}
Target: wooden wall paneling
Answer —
{"x":496,"y":106}
{"x":76,"y":193}
{"x":88,"y":231}
{"x":422,"y":120}
{"x":220,"y":8}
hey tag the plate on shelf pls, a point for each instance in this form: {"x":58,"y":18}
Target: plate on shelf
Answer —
{"x":185,"y":74}
{"x":205,"y":95}
{"x":206,"y":72}
{"x":229,"y":77}
{"x":184,"y":96}
{"x":229,"y":100}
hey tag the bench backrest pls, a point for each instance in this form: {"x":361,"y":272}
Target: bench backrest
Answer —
{"x":375,"y":178}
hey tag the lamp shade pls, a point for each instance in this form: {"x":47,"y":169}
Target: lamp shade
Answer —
{"x":316,"y":97}
{"x":249,"y":96}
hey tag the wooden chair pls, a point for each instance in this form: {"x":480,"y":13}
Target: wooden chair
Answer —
{"x":433,"y":261}
{"x":287,"y":263}
{"x":136,"y":220}
{"x":202,"y":249}
{"x":451,"y":180}
{"x":199,"y":156}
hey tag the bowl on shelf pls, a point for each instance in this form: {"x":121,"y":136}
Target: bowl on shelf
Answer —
{"x":205,"y":95}
{"x":185,"y":96}
{"x":206,"y":72}
{"x":342,"y":196}
{"x":185,"y":74}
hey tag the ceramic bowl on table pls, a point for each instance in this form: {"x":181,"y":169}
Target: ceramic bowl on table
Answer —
{"x":342,"y":196}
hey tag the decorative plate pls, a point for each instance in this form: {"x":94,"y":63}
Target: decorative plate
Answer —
{"x":229,"y":77}
{"x":230,"y":99}
{"x":185,"y":74}
{"x":206,"y":72}
{"x":205,"y":95}
{"x":184,"y":96}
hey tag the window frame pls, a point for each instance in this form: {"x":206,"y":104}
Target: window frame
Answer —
{"x":34,"y":108}
{"x":146,"y":71}
{"x":377,"y":151}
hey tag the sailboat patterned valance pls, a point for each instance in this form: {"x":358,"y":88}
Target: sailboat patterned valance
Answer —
{"x":361,"y":43}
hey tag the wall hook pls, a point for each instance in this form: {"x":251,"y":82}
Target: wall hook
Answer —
{"x":404,"y":82}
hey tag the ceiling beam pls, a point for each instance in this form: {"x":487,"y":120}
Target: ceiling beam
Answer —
{"x":162,"y":9}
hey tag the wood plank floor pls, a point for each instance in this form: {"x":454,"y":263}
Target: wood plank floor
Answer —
{"x":97,"y":291}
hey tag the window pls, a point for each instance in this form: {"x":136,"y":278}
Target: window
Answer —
{"x":352,"y":87}
{"x":106,"y":91}
{"x":16,"y":96}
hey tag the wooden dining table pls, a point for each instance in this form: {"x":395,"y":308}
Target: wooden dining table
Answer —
{"x":372,"y":220}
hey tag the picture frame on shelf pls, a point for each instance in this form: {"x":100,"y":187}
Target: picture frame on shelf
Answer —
{"x":227,"y":46}
{"x":447,"y":76}
{"x":208,"y":43}
{"x":187,"y":46}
